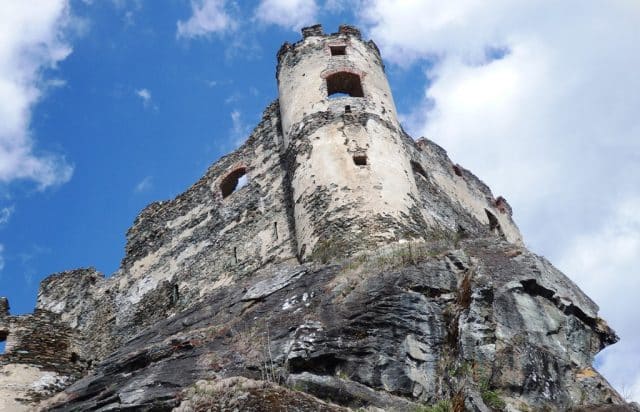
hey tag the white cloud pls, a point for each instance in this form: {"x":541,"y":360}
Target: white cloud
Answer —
{"x":541,"y":100}
{"x":5,"y":214}
{"x":144,"y":185}
{"x":32,"y":41}
{"x":145,"y":95}
{"x":239,"y":129}
{"x":291,"y":14}
{"x":208,"y":16}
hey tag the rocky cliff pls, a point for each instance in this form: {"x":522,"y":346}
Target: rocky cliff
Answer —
{"x":218,"y":304}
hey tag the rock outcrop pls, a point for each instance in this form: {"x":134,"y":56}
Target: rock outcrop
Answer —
{"x":300,"y":274}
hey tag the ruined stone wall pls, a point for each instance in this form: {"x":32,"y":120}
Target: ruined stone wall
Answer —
{"x":40,"y":359}
{"x":180,"y":250}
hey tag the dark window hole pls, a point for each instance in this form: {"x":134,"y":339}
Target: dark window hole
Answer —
{"x":417,"y":168}
{"x":344,"y":83}
{"x":175,"y":295}
{"x":233,"y":181}
{"x":494,"y":225}
{"x":3,"y":340}
{"x":235,"y":255}
{"x":457,"y":170}
{"x":338,"y":50}
{"x":74,"y":358}
{"x":275,"y":229}
{"x":360,"y":159}
{"x":347,"y":109}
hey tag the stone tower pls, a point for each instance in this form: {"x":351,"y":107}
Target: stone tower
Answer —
{"x":353,"y":170}
{"x":350,"y":180}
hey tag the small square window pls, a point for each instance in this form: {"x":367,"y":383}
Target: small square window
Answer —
{"x":338,"y":50}
{"x":360,"y":159}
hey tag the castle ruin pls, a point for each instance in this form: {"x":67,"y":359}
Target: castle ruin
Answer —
{"x":284,"y":231}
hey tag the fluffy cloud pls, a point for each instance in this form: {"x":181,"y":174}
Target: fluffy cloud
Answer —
{"x":540,"y":100}
{"x":291,"y":14}
{"x":31,"y":42}
{"x":208,"y":16}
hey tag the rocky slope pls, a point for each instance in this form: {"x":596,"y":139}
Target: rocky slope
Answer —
{"x":475,"y":324}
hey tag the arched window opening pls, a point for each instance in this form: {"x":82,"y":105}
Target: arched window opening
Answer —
{"x":338,"y":50}
{"x":494,"y":224}
{"x":418,"y":169}
{"x":344,"y":83}
{"x":233,"y":181}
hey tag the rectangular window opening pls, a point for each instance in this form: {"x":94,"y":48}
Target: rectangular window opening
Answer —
{"x":360,"y":159}
{"x":347,"y":109}
{"x":338,"y":50}
{"x":343,"y":84}
{"x":3,"y":341}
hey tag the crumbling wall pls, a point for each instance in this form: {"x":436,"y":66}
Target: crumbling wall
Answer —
{"x":203,"y":240}
{"x":40,"y":358}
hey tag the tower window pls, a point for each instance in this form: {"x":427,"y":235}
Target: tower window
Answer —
{"x":347,"y":109}
{"x":360,"y":159}
{"x":338,"y":50}
{"x":344,"y":83}
{"x":233,"y":181}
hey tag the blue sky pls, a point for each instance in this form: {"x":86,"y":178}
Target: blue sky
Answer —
{"x":108,"y":105}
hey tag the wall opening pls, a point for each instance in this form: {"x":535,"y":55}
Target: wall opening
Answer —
{"x":338,"y":50}
{"x":275,"y":230}
{"x":235,"y":255}
{"x":3,"y":341}
{"x":347,"y":109}
{"x":344,"y":83}
{"x":494,"y":224}
{"x":456,"y":170}
{"x":74,"y":358}
{"x":360,"y":159}
{"x":417,"y":168}
{"x":233,"y":181}
{"x":175,"y":294}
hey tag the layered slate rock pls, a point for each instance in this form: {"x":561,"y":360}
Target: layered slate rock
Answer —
{"x":476,"y":323}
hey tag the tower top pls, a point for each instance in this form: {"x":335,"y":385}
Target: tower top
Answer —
{"x":315,"y":35}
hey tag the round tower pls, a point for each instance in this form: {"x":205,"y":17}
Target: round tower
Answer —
{"x":351,"y":180}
